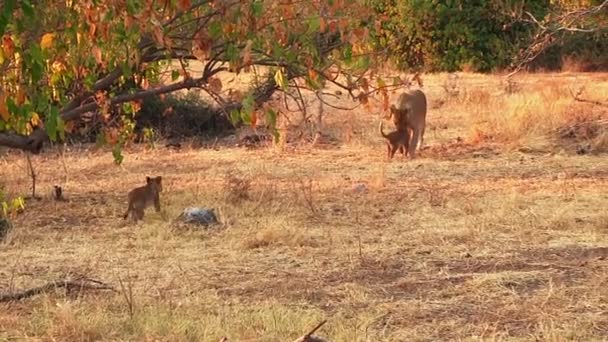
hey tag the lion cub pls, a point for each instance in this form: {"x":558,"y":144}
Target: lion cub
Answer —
{"x":410,"y":113}
{"x":144,"y":196}
{"x":396,"y":140}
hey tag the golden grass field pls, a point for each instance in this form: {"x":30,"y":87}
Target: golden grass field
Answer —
{"x":498,"y":231}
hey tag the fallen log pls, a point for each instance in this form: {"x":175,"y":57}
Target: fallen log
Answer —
{"x":69,"y":285}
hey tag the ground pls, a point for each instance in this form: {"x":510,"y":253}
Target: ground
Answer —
{"x":493,"y":233}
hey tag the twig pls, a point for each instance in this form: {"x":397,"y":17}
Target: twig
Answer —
{"x":308,"y":337}
{"x":32,"y":175}
{"x":577,"y":97}
{"x":80,"y":284}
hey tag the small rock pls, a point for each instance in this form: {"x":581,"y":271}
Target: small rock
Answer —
{"x":360,"y":188}
{"x":583,"y":149}
{"x":201,"y":216}
{"x":5,"y":227}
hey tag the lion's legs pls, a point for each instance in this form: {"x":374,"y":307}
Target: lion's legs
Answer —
{"x":422,"y":136}
{"x":393,"y":149}
{"x":414,"y":143}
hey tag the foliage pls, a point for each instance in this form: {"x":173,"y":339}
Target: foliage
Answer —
{"x":10,"y":206}
{"x":450,"y":35}
{"x":63,"y":59}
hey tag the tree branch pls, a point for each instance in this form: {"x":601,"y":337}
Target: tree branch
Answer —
{"x":69,"y":285}
{"x":548,"y":32}
{"x":34,"y":142}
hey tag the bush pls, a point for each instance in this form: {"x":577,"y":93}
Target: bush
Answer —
{"x":453,"y":35}
{"x":185,"y":116}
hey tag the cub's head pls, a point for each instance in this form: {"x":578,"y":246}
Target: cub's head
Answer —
{"x":155,"y":183}
{"x":398,"y":115}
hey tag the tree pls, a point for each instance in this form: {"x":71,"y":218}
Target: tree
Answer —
{"x":568,"y":18}
{"x":448,"y":35}
{"x":62,"y":58}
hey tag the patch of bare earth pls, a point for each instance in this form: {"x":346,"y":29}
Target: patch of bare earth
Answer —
{"x":473,"y":240}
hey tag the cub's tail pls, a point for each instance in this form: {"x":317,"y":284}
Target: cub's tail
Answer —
{"x":381,"y":131}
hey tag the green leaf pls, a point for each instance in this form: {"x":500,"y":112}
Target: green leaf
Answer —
{"x":117,"y":154}
{"x":37,"y":71}
{"x":61,"y":127}
{"x":100,"y":140}
{"x":89,"y":81}
{"x":36,"y":62}
{"x":271,"y":117}
{"x":7,"y":13}
{"x":215,"y":30}
{"x":126,"y":69}
{"x":314,"y":84}
{"x":12,"y":107}
{"x":232,"y":53}
{"x":132,"y":7}
{"x":235,"y":117}
{"x":257,"y":8}
{"x":280,"y":78}
{"x":314,"y":25}
{"x":363,"y":63}
{"x":28,"y":9}
{"x":246,"y":117}
{"x":348,"y":54}
{"x":248,"y":105}
{"x":174,"y":75}
{"x":50,"y":124}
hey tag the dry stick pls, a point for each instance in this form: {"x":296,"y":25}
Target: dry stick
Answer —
{"x":32,"y":175}
{"x":86,"y":284}
{"x":319,"y":125}
{"x":597,"y":103}
{"x":307,"y":337}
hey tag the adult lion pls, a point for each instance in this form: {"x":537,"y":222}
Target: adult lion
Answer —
{"x":409,"y":112}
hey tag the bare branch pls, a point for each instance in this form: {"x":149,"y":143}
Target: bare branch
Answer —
{"x":577,"y":97}
{"x":547,"y":34}
{"x":34,"y":141}
{"x":69,"y":285}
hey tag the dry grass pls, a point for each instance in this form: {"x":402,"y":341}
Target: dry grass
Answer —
{"x":472,"y":241}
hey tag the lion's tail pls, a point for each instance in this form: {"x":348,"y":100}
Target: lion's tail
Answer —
{"x":382,"y":131}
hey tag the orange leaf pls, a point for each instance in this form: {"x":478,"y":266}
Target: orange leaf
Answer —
{"x":167,"y":111}
{"x":8,"y":46}
{"x":97,"y":54}
{"x":4,"y":114}
{"x":92,"y":30}
{"x":202,"y":46}
{"x":145,"y":84}
{"x":384,"y":100}
{"x":363,"y":98}
{"x":215,"y":84}
{"x":69,"y":126}
{"x":20,"y":96}
{"x":158,"y":35}
{"x":129,"y":21}
{"x":312,"y":74}
{"x":333,"y":26}
{"x":184,"y":4}
{"x":364,"y":84}
{"x":58,"y":66}
{"x":47,"y":40}
{"x":35,"y":120}
{"x":254,"y":119}
{"x":246,"y":53}
{"x":136,"y":106}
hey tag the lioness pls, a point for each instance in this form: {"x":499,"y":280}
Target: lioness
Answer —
{"x":409,"y":113}
{"x":396,"y":140}
{"x":144,"y":196}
